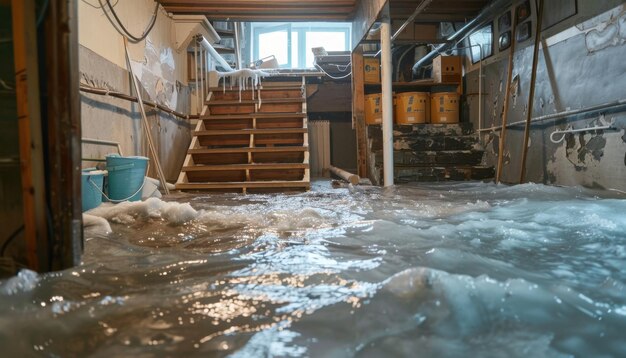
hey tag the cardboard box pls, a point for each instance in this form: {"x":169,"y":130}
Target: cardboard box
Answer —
{"x":371,"y":69}
{"x":426,"y":32}
{"x":447,"y":69}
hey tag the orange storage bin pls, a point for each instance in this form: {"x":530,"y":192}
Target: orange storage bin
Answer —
{"x":412,"y":107}
{"x":444,"y":108}
{"x":373,"y":109}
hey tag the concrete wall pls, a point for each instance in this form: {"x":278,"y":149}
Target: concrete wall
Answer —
{"x":581,"y":64}
{"x":161,"y":69}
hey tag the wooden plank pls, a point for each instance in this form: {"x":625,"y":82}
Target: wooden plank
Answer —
{"x":285,"y":157}
{"x":248,"y":131}
{"x":249,"y":94}
{"x":232,"y":185}
{"x":252,"y":107}
{"x":253,"y":115}
{"x":263,"y":101}
{"x":60,"y":34}
{"x":253,"y":166}
{"x":279,"y":87}
{"x":259,"y":140}
{"x":358,"y":111}
{"x":30,"y":132}
{"x":248,"y":150}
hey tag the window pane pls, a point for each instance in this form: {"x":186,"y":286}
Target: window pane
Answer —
{"x":330,"y":41}
{"x":274,"y":43}
{"x":294,"y":49}
{"x":482,"y":38}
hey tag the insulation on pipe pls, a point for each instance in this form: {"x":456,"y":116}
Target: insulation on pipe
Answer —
{"x":211,"y":50}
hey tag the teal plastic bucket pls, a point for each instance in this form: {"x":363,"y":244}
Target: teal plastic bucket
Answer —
{"x":126,"y":177}
{"x":91,"y":188}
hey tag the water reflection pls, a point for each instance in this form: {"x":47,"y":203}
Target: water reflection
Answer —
{"x":457,"y":270}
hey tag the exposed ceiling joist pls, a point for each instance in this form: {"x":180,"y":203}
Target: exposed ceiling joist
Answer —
{"x":319,"y":10}
{"x":265,"y":10}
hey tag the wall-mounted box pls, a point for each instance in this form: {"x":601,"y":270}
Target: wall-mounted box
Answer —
{"x":371,"y":70}
{"x":447,"y":69}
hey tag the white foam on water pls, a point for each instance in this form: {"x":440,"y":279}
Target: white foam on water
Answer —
{"x":24,"y":281}
{"x":130,"y":211}
{"x":462,"y":269}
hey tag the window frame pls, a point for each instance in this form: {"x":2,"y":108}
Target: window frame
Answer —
{"x":300,"y":30}
{"x":482,"y":46}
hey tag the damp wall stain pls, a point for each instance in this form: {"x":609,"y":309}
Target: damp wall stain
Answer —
{"x":583,"y":67}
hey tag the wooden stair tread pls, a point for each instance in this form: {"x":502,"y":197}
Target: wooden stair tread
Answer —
{"x":222,"y":48}
{"x":268,"y":88}
{"x":254,"y":115}
{"x":245,"y":184}
{"x":248,"y":149}
{"x":249,"y":131}
{"x":253,"y":166}
{"x":255,"y":101}
{"x":250,"y":143}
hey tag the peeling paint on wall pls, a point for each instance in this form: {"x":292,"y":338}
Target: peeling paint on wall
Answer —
{"x":609,"y":32}
{"x":597,"y":40}
{"x":157,"y":74}
{"x":580,"y":66}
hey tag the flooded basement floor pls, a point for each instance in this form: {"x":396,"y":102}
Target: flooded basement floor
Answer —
{"x":461,"y":270}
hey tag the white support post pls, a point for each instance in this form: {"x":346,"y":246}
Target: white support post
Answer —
{"x":387,"y":97}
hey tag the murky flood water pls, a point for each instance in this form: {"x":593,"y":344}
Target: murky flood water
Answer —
{"x":466,"y":270}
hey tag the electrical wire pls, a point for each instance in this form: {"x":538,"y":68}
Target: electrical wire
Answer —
{"x":331,"y":76}
{"x":95,"y":6}
{"x":6,"y":243}
{"x":117,"y":23}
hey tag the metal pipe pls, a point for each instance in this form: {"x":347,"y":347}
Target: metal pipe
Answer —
{"x":106,"y":92}
{"x":201,"y":77}
{"x":104,"y":142}
{"x":412,"y":47}
{"x":236,"y":44}
{"x":418,"y":10}
{"x":387,"y":97}
{"x":564,"y":114}
{"x":195,"y":71}
{"x":220,"y":60}
{"x":485,"y":15}
{"x":580,"y":130}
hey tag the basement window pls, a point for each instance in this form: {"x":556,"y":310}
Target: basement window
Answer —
{"x":291,"y":43}
{"x":484,"y":39}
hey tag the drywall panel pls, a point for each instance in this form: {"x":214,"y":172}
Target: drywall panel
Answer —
{"x":117,"y":120}
{"x":97,"y":33}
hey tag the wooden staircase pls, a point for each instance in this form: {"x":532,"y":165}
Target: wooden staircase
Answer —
{"x":431,"y":153}
{"x":253,"y":140}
